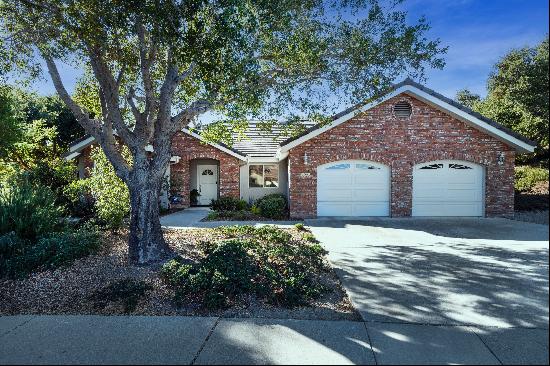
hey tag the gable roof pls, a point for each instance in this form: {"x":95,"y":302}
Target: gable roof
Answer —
{"x":429,"y":96}
{"x":76,"y":147}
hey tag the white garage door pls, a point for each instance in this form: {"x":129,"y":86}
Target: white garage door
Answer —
{"x":353,"y":188}
{"x":448,"y":188}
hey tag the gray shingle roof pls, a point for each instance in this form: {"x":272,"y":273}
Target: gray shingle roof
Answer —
{"x":261,"y":143}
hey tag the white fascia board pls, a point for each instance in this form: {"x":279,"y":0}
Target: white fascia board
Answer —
{"x":341,"y":120}
{"x":262,"y":159}
{"x":472,"y":121}
{"x":71,"y":156}
{"x":219,"y":147}
{"x":519,"y":145}
{"x":82,"y":144}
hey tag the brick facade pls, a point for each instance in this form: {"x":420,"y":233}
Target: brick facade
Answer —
{"x":378,"y":136}
{"x":189,"y":148}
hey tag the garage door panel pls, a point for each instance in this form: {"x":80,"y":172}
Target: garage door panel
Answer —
{"x":371,"y":209}
{"x":447,"y":188}
{"x":337,"y":194}
{"x":334,"y":209}
{"x":353,"y":188}
{"x":374,"y":195}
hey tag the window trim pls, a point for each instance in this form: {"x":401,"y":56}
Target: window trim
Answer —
{"x":263,"y":175}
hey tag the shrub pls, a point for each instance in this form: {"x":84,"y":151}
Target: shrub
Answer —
{"x":229,"y":204}
{"x":255,"y":210}
{"x":264,"y":261}
{"x":20,"y":256}
{"x":300,"y":226}
{"x":310,"y":237}
{"x":127,"y":292}
{"x":81,"y":202}
{"x":214,"y":215}
{"x":28,"y":210}
{"x":111,"y":195}
{"x":272,"y":206}
{"x":526,"y":177}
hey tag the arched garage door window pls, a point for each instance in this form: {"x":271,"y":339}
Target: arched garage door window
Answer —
{"x":353,"y":188}
{"x":448,"y":188}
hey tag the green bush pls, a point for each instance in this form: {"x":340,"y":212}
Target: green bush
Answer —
{"x":28,"y":210}
{"x":19,"y":257}
{"x":229,"y":204}
{"x":273,"y":206}
{"x":526,"y":177}
{"x":310,"y":237}
{"x":300,"y":226}
{"x":264,"y":261}
{"x":107,"y":192}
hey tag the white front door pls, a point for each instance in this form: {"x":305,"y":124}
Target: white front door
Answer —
{"x":353,"y":188}
{"x":207,"y":182}
{"x":448,"y":188}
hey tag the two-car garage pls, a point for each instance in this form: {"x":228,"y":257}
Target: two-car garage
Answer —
{"x":363,"y":188}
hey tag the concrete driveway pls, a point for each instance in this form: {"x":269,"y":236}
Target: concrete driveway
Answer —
{"x":480,"y":272}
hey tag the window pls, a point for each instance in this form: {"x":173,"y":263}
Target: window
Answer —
{"x":402,"y":110}
{"x":339,"y":167}
{"x":207,"y":172}
{"x":433,"y":166}
{"x":263,"y":176}
{"x":366,"y":167}
{"x":459,"y":166}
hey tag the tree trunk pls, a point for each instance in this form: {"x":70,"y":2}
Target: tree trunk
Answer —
{"x":146,"y":242}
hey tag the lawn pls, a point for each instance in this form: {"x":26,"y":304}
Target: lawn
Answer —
{"x":104,"y":283}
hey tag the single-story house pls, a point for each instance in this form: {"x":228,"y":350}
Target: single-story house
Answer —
{"x":408,"y":152}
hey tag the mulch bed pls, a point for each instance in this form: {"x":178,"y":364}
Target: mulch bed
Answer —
{"x":70,"y":290}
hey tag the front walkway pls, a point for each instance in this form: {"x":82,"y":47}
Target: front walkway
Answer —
{"x":197,"y":340}
{"x":190,"y":218}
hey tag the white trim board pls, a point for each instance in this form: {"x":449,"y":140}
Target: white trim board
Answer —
{"x":413,"y":91}
{"x":75,"y":150}
{"x":219,"y":147}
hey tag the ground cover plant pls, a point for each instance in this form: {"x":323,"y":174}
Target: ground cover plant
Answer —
{"x":266,"y":261}
{"x":106,"y":283}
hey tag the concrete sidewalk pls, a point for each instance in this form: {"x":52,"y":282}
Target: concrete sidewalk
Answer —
{"x":190,"y":218}
{"x":198,"y":340}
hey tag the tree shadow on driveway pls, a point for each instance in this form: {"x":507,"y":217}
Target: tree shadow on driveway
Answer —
{"x":447,"y":284}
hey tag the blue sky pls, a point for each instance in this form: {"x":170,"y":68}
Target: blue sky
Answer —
{"x":477,"y":32}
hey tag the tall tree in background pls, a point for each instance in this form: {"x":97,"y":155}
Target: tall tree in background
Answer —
{"x":159,"y":64}
{"x":517,"y":95}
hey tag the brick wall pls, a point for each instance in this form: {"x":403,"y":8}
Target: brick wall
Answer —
{"x":379,"y":136}
{"x":189,"y":148}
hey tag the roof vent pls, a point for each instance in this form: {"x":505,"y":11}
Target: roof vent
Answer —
{"x":402,"y":110}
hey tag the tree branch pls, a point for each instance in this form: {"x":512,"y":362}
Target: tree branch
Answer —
{"x":92,"y":126}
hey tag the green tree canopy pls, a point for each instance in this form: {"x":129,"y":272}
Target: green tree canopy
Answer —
{"x":517,"y":94}
{"x":156,"y":65}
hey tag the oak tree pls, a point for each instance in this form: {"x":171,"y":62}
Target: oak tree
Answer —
{"x":160,"y":64}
